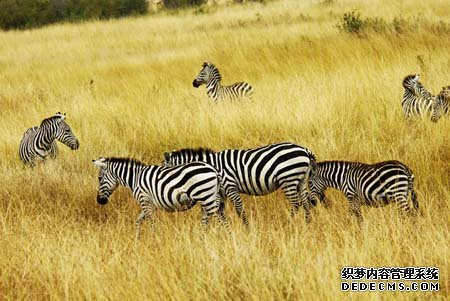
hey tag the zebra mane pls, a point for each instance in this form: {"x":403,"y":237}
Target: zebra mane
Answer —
{"x":193,"y":151}
{"x":123,"y":160}
{"x":215,"y":71}
{"x":49,"y":120}
{"x":407,"y":79}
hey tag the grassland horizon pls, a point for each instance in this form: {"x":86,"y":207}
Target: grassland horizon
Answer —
{"x":126,"y":86}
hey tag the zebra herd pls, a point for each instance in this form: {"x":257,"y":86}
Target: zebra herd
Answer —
{"x":190,"y":176}
{"x":417,"y":100}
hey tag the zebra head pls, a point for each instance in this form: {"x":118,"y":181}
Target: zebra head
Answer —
{"x":442,"y":98}
{"x":63,"y":132}
{"x":207,"y":74}
{"x":445,"y":92}
{"x":107,"y":182}
{"x":410,"y":81}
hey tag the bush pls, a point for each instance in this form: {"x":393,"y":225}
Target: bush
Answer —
{"x":174,"y":4}
{"x":20,"y":14}
{"x":351,"y":22}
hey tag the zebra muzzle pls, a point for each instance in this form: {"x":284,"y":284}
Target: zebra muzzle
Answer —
{"x":102,"y":200}
{"x":76,"y":145}
{"x":195,"y":83}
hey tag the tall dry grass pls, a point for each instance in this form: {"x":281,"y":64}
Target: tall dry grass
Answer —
{"x":335,"y":93}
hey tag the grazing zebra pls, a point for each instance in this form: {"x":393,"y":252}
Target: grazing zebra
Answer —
{"x":210,"y":76}
{"x":171,"y":189}
{"x":39,"y":142}
{"x":416,"y":99}
{"x":369,"y":184}
{"x":442,"y":104}
{"x":257,"y":171}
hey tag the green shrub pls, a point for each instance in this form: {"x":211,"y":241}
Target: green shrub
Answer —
{"x":20,"y":14}
{"x":351,"y":22}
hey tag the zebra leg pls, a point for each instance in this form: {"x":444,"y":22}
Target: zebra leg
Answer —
{"x":291,"y":191}
{"x":355,"y":208}
{"x":205,"y":219}
{"x":233,"y":194}
{"x":403,"y":206}
{"x":147,"y":213}
{"x":221,"y":217}
{"x":306,"y":202}
{"x":138,"y":222}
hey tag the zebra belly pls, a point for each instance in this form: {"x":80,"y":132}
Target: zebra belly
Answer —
{"x":380,"y":200}
{"x":264,"y":190}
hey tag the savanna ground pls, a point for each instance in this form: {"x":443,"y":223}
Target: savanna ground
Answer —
{"x":336,"y":93}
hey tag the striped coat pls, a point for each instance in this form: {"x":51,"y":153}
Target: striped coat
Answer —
{"x":210,"y":76}
{"x":171,"y":189}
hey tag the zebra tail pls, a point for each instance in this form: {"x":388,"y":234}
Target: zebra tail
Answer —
{"x":312,"y":170}
{"x":414,"y":200}
{"x":222,"y":193}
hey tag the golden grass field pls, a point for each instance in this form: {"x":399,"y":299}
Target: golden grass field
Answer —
{"x":335,"y":93}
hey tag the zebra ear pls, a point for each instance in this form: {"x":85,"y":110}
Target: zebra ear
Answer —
{"x":61,"y":116}
{"x":100,"y":163}
{"x":205,"y":64}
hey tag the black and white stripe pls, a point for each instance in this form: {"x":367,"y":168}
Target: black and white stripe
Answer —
{"x":416,"y":99}
{"x":442,"y":104}
{"x":365,"y":184}
{"x":170,"y":189}
{"x":257,"y":171}
{"x":210,"y":76}
{"x":40,"y":142}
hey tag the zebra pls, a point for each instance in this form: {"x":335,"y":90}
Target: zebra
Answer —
{"x":416,"y":99}
{"x":365,"y":184}
{"x":256,"y":171}
{"x":442,"y":104}
{"x":210,"y":75}
{"x":39,"y":141}
{"x":155,"y":187}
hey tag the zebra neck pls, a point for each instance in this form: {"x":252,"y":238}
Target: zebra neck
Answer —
{"x":423,"y":92}
{"x":334,"y":174}
{"x":127,"y":174}
{"x":44,"y":140}
{"x":213,"y":88}
{"x":408,"y":95}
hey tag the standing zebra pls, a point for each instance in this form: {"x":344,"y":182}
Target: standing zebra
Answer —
{"x":416,"y":99}
{"x":39,"y":142}
{"x":442,"y":104}
{"x":373,"y":185}
{"x":257,"y":171}
{"x":210,"y":76}
{"x":154,"y":187}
